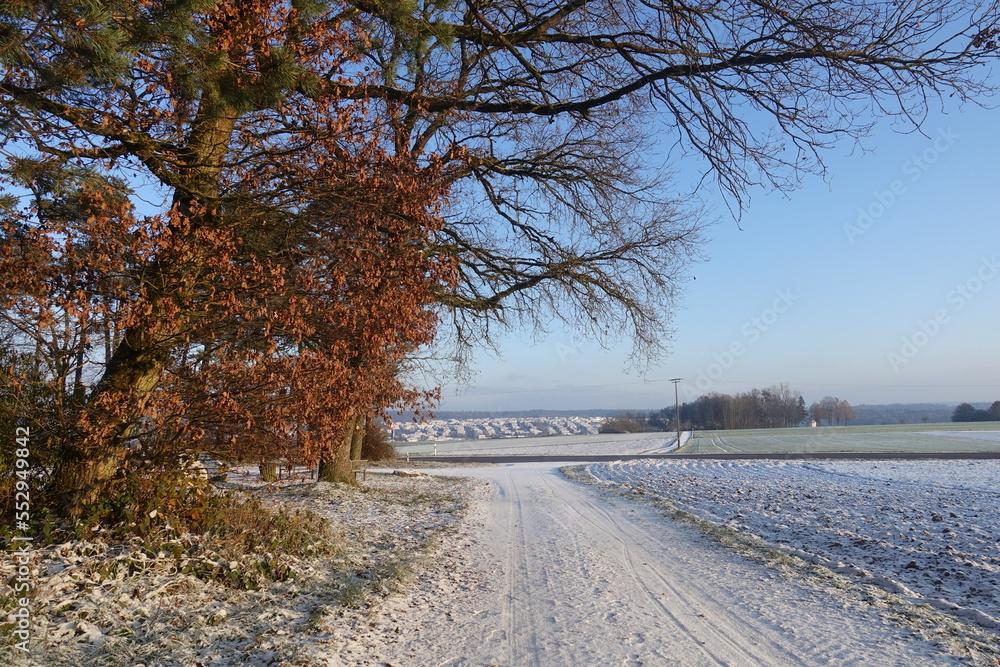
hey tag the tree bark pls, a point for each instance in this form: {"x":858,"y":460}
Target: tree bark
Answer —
{"x":269,"y":472}
{"x":358,"y":438}
{"x":116,"y":406}
{"x":86,"y":465}
{"x":335,"y":466}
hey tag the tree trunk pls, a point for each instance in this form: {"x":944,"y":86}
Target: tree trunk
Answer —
{"x":325,"y":472}
{"x":79,"y":478}
{"x":357,"y":438}
{"x":135,"y":369}
{"x":335,"y":466}
{"x":87,"y":464}
{"x":269,"y":472}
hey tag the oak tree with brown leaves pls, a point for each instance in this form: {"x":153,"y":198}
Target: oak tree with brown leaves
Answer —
{"x":269,"y":301}
{"x":229,"y":223}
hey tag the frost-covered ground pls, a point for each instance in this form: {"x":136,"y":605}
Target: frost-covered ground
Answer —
{"x":926,"y":530}
{"x":155,"y":615}
{"x":980,"y":437}
{"x":842,"y":439}
{"x":553,"y":573}
{"x":613,"y":444}
{"x":547,"y":572}
{"x":993,"y":436}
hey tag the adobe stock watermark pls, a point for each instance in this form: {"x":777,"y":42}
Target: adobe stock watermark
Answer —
{"x":21,"y":544}
{"x":751,"y":332}
{"x":913,"y":169}
{"x":575,"y":346}
{"x":956,"y":299}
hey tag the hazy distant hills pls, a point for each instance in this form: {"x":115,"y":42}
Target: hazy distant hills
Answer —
{"x":893,"y":413}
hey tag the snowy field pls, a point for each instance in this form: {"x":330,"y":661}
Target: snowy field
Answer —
{"x":917,"y":438}
{"x":547,"y":572}
{"x":567,"y":576}
{"x":896,"y":438}
{"x":928,"y":531}
{"x":557,"y":445}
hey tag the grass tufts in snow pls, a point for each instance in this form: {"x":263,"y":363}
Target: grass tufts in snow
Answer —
{"x":184,"y":524}
{"x":115,"y":601}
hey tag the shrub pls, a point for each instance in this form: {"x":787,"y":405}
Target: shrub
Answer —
{"x":966,"y":413}
{"x":162,"y":510}
{"x":624,"y":423}
{"x":375,"y":446}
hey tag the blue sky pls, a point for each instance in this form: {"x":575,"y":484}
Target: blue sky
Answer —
{"x":879,"y":286}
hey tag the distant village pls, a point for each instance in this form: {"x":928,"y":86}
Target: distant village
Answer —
{"x":494,"y":427}
{"x":479,"y":427}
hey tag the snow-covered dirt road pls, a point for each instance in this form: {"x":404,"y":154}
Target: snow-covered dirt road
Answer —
{"x":550,"y":572}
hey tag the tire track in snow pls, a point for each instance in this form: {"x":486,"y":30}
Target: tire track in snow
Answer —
{"x":517,"y":572}
{"x":726,"y":647}
{"x":574,"y":577}
{"x":613,"y":530}
{"x":510,"y":571}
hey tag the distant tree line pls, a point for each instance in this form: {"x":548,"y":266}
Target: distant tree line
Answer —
{"x":966,"y":413}
{"x":903,"y":413}
{"x":832,"y":410}
{"x":773,"y":407}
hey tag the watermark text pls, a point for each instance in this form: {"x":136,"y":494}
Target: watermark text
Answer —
{"x":752,"y":330}
{"x":21,"y":552}
{"x":913,"y":169}
{"x":957,"y":299}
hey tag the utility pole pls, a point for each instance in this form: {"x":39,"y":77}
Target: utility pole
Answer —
{"x":677,"y":404}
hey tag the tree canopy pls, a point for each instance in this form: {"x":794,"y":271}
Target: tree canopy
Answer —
{"x":230,"y":223}
{"x":965,"y":412}
{"x":777,"y":406}
{"x":833,"y":410}
{"x":559,"y":210}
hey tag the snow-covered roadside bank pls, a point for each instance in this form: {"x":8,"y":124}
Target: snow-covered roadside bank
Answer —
{"x":924,"y":532}
{"x":158,"y":616}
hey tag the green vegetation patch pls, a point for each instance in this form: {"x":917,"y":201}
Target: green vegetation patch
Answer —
{"x":914,"y":438}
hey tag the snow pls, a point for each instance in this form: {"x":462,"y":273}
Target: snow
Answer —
{"x":520,"y":565}
{"x":907,"y":438}
{"x":552,"y":573}
{"x":157,"y":616}
{"x":993,"y":436}
{"x":604,"y":444}
{"x":927,"y":530}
